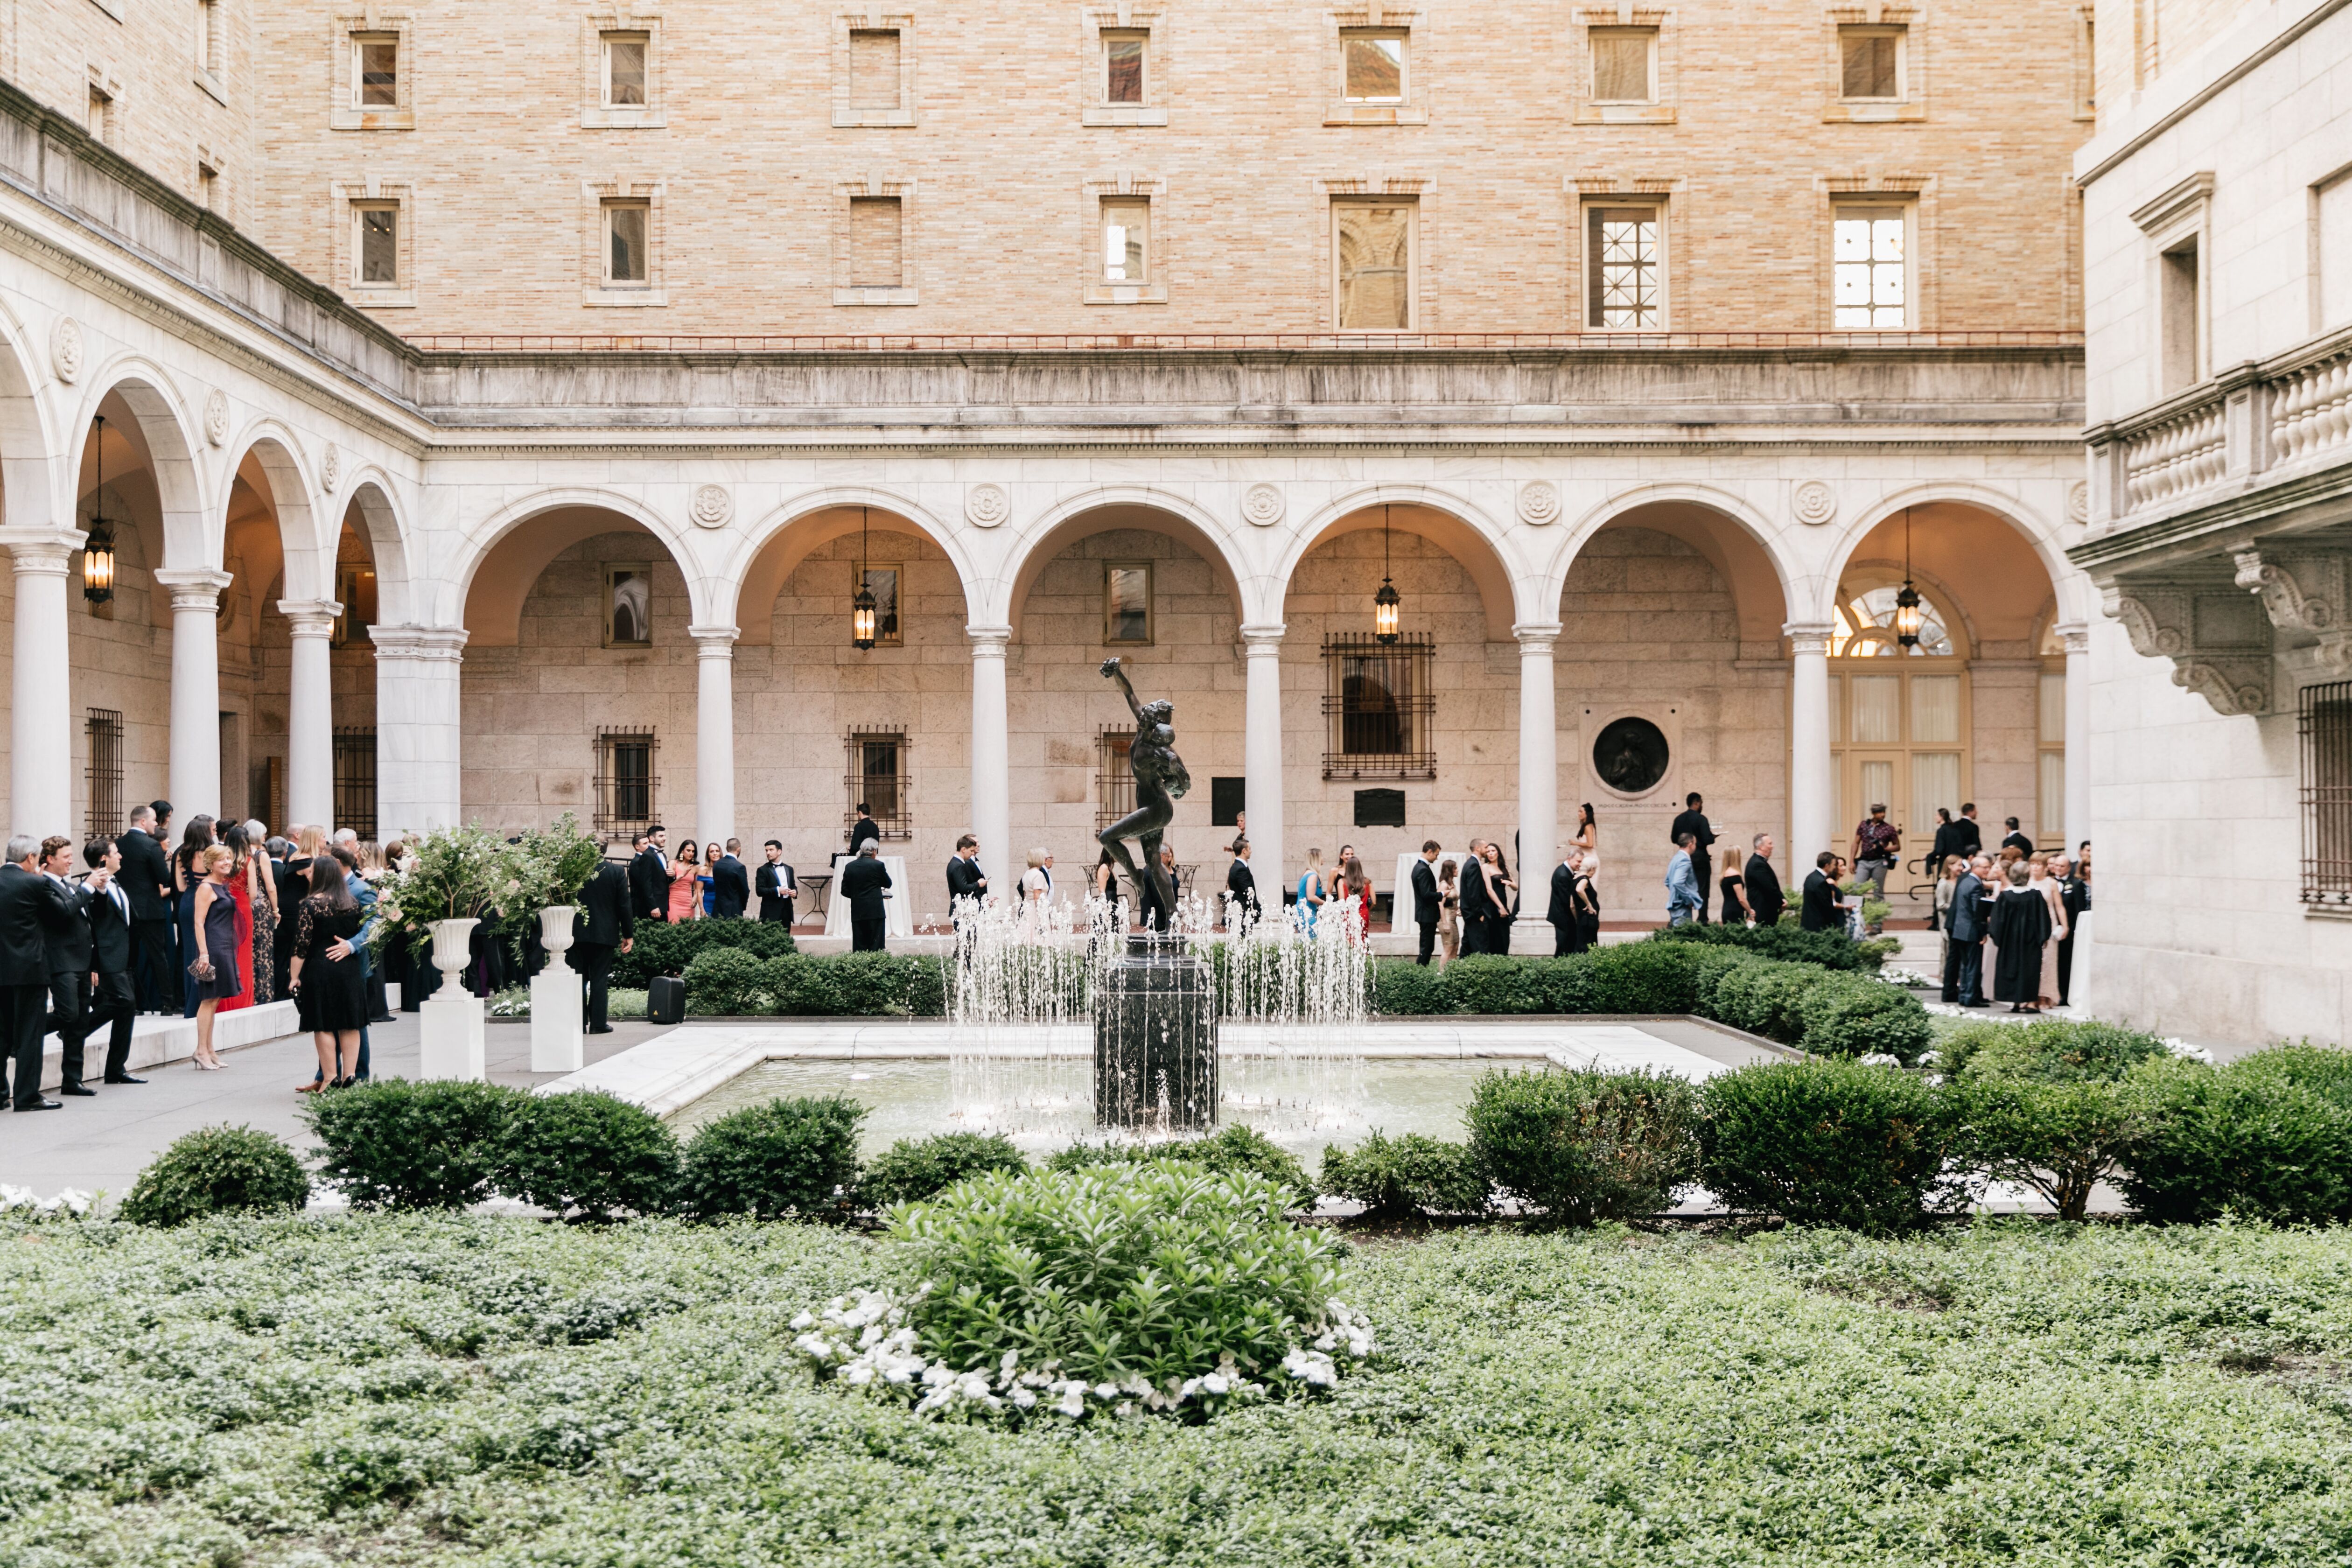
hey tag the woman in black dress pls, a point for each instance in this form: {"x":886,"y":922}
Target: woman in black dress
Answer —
{"x":330,"y":990}
{"x":215,"y":973}
{"x":1587,"y":900}
{"x":1734,"y":885}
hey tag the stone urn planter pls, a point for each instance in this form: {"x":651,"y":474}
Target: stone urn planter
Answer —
{"x":449,"y":1035}
{"x":557,"y":1017}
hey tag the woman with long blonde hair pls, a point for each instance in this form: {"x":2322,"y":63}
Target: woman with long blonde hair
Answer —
{"x":215,"y":968}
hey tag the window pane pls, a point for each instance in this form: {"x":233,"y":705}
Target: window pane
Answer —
{"x":379,"y":245}
{"x":1125,"y":227}
{"x":624,"y":80}
{"x":1620,"y":66}
{"x":2050,"y":806}
{"x":1127,"y":594}
{"x":875,"y":258}
{"x":1878,"y":782}
{"x":1869,"y":59}
{"x":1123,"y":68}
{"x":880,"y":771}
{"x":2336,"y":253}
{"x":1934,"y":783}
{"x":379,"y":73}
{"x":1869,"y":282}
{"x":628,"y":243}
{"x":1375,"y":68}
{"x":873,"y":69}
{"x":1877,"y":708}
{"x":1622,"y":261}
{"x":1375,"y":265}
{"x":1935,"y":709}
{"x":2052,"y":709}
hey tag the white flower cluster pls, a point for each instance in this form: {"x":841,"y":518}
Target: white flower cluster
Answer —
{"x":2180,"y":1047}
{"x":23,"y":1203}
{"x":864,"y":1341}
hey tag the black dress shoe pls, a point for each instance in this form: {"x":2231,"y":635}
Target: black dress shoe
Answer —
{"x":601,"y":1029}
{"x":126,"y":1078}
{"x":44,"y":1105}
{"x":77,"y":1089}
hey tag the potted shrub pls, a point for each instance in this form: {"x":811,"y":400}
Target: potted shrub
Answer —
{"x":453,"y":876}
{"x":550,"y":866}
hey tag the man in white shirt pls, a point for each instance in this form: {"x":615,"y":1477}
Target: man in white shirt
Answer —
{"x":115,"y":992}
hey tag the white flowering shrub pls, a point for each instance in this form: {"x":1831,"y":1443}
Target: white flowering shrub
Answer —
{"x":1143,"y":1290}
{"x":23,"y":1204}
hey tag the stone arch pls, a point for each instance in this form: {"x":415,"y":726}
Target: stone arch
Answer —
{"x":2035,"y":529}
{"x":192,"y":532}
{"x":371,"y":495}
{"x":1733,"y":536}
{"x":308,"y":551}
{"x":26,"y":442}
{"x":1457,"y":526}
{"x":1101,"y":510}
{"x":489,"y":603}
{"x":770,"y":551}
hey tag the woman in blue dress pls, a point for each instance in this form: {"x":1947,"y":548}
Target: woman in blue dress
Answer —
{"x":1311,"y":892}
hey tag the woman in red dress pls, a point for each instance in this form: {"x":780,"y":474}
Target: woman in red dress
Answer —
{"x":240,"y":893}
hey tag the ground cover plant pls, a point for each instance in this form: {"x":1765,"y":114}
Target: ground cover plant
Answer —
{"x":442,"y":1390}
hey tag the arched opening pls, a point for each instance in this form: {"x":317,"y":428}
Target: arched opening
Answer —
{"x":352,"y":579}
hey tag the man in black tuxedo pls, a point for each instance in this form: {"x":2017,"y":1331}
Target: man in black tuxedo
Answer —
{"x":147,"y":883}
{"x":1693,"y":821}
{"x":1967,"y":929}
{"x":776,"y":886}
{"x":605,"y":926}
{"x":863,"y":832}
{"x":1820,"y":913}
{"x":64,"y":936}
{"x":1967,"y":838}
{"x":116,"y":995}
{"x":862,"y":881}
{"x":649,"y":877}
{"x":730,"y":890}
{"x":965,"y":879}
{"x":1424,"y":898}
{"x":1561,"y":913}
{"x":1763,"y":883}
{"x":1241,"y":889}
{"x":2017,"y":841}
{"x":28,"y":906}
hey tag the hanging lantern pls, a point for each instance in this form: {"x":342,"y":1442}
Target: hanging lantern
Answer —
{"x":1388,"y":609}
{"x":1906,"y":601}
{"x":862,"y":608}
{"x":98,"y":548}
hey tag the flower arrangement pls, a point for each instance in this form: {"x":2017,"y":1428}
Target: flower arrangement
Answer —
{"x":451,"y":874}
{"x":549,"y":866}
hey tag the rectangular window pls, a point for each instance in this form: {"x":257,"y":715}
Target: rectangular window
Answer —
{"x":355,"y":781}
{"x":874,"y":67}
{"x":356,"y":590}
{"x":1380,"y":707}
{"x":624,"y":70}
{"x":1625,"y":65}
{"x":879,"y":782}
{"x":627,"y":233}
{"x":2324,"y":725}
{"x":1123,"y":66}
{"x":375,"y":70}
{"x":103,"y":729}
{"x":1126,"y":235}
{"x":1871,"y":277}
{"x":1113,"y":779}
{"x":96,"y":124}
{"x":1372,"y":66}
{"x":1228,"y":798}
{"x":208,"y":37}
{"x":629,"y":605}
{"x":2182,"y":311}
{"x":375,"y":244}
{"x":1877,"y":708}
{"x":2331,"y":260}
{"x":876,"y":242}
{"x":1372,"y":248}
{"x":1127,"y":603}
{"x":1936,"y":710}
{"x":1626,"y":268}
{"x":1871,"y":63}
{"x":627,"y":788}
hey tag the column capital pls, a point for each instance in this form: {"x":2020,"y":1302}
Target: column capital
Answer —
{"x":309,"y":617}
{"x":1536,"y":636}
{"x":2075,"y":635}
{"x":1267,"y":636}
{"x":715,"y":642}
{"x":40,"y":551}
{"x":988,"y":642}
{"x":419,"y":642}
{"x":1807,"y":636}
{"x":195,"y":588}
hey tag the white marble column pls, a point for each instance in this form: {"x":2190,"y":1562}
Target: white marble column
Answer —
{"x":1813,"y":784}
{"x":418,"y":691}
{"x":1538,"y":771}
{"x":310,"y":713}
{"x":196,"y":778}
{"x":714,"y":732}
{"x":41,"y":723}
{"x":992,"y":758}
{"x":1262,"y":764}
{"x":2077,"y":640}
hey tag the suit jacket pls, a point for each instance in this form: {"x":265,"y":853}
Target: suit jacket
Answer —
{"x":146,"y":875}
{"x":1562,"y":910}
{"x":1968,"y":908}
{"x":364,"y":894}
{"x":1764,"y":894}
{"x":772,"y":883}
{"x":1476,"y":899}
{"x":1424,"y":894}
{"x":606,"y":918}
{"x":1821,"y":904}
{"x":24,"y":952}
{"x":1241,"y":884}
{"x":109,"y":931}
{"x":964,"y":878}
{"x":650,"y":885}
{"x":1682,"y":881}
{"x":862,"y":881}
{"x":730,"y":891}
{"x":1696,"y":824}
{"x":65,"y":930}
{"x":2024,"y":845}
{"x":863,"y":830}
{"x":2074,"y":894}
{"x":1966,"y":837}
{"x":1148,"y":910}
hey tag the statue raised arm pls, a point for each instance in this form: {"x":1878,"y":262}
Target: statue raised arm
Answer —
{"x":1160,"y":778}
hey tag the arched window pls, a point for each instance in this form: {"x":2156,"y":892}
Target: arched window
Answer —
{"x":1902,"y":726}
{"x":1863,"y":628}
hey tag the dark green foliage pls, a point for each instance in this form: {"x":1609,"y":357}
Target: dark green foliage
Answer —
{"x":730,"y":983}
{"x":2325,"y":1070}
{"x":217,"y":1170}
{"x":726,"y":981}
{"x":1411,"y":1174}
{"x":1767,"y":998}
{"x":1856,"y":1015}
{"x":785,"y":1157}
{"x":400,"y":1144}
{"x":661,"y":948}
{"x":1786,"y":941}
{"x":593,"y":1152}
{"x":1584,"y":1146}
{"x":1827,"y":1142}
{"x":913,"y":1169}
{"x":2263,"y":1144}
{"x":2048,"y":1104}
{"x":1403,"y":989}
{"x":1481,"y":983}
{"x":2047,"y":1051}
{"x":1234,"y":1148}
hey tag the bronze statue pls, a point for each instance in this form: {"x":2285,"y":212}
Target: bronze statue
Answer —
{"x":1159,"y":778}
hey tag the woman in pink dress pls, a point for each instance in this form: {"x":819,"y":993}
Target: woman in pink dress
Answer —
{"x":685,"y":883}
{"x":2043,"y":882}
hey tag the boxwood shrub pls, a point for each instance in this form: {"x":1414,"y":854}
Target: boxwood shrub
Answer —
{"x":1767,"y":998}
{"x":217,"y":1170}
{"x":1403,"y":989}
{"x":1828,"y":1142}
{"x":1789,"y":943}
{"x":2048,"y":1051}
{"x":784,"y":1157}
{"x":913,"y":1169}
{"x":1405,"y":1175}
{"x":398,"y":1145}
{"x":2049,"y":1105}
{"x":2259,"y":1139}
{"x":1585,"y":1145}
{"x":725,"y":982}
{"x":1858,"y":1016}
{"x":1234,"y":1148}
{"x":664,"y":948}
{"x":586,"y":1153}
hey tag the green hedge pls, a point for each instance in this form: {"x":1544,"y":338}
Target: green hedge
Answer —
{"x":913,"y":1169}
{"x":1789,"y":943}
{"x":1829,"y":1143}
{"x":2268,"y":1138}
{"x":217,"y":1170}
{"x":400,"y":1144}
{"x":1586,"y":1145}
{"x":733,"y":982}
{"x":785,"y":1158}
{"x":663,"y":949}
{"x":592,"y":1154}
{"x":1406,"y":1175}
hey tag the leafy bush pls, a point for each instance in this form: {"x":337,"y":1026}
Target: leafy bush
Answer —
{"x":664,"y":948}
{"x":1159,"y":1270}
{"x":1484,"y":984}
{"x":624,"y":1004}
{"x":399,"y":1145}
{"x":785,"y":1157}
{"x":1787,"y":942}
{"x":1403,"y":989}
{"x":2047,"y":1051}
{"x":1235,"y":1149}
{"x":1852,"y":1015}
{"x":217,"y":1170}
{"x":2325,"y":1070}
{"x":591,"y":1152}
{"x":2047,"y":1104}
{"x":1584,"y":1146}
{"x":1406,"y":1175}
{"x":725,"y":980}
{"x":1766,"y":997}
{"x":913,"y":1169}
{"x":1827,"y":1143}
{"x":2261,"y":1145}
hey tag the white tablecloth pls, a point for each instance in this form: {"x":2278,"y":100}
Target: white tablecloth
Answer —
{"x":898,"y":899}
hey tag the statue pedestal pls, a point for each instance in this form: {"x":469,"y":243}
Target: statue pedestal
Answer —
{"x":1156,"y":1039}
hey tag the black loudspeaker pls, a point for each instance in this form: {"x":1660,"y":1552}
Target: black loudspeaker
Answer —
{"x":666,"y":1000}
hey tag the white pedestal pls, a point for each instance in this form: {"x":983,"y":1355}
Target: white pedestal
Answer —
{"x":449,"y":1023}
{"x":557,"y":1020}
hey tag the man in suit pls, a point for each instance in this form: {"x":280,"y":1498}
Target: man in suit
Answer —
{"x":2016,"y":841}
{"x":1241,"y":889}
{"x":862,"y":881}
{"x":605,"y":926}
{"x":1693,"y":820}
{"x":1424,"y":898}
{"x":1683,"y":901}
{"x":775,"y":884}
{"x":730,"y":890}
{"x":965,"y":880}
{"x":1763,"y":883}
{"x":1561,"y":913}
{"x":649,"y":876}
{"x":1964,"y":953}
{"x":2074,"y":894}
{"x":117,"y":996}
{"x":863,"y":832}
{"x":26,"y":906}
{"x":64,"y":936}
{"x":1967,"y":838}
{"x":1821,"y":906}
{"x":147,"y":883}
